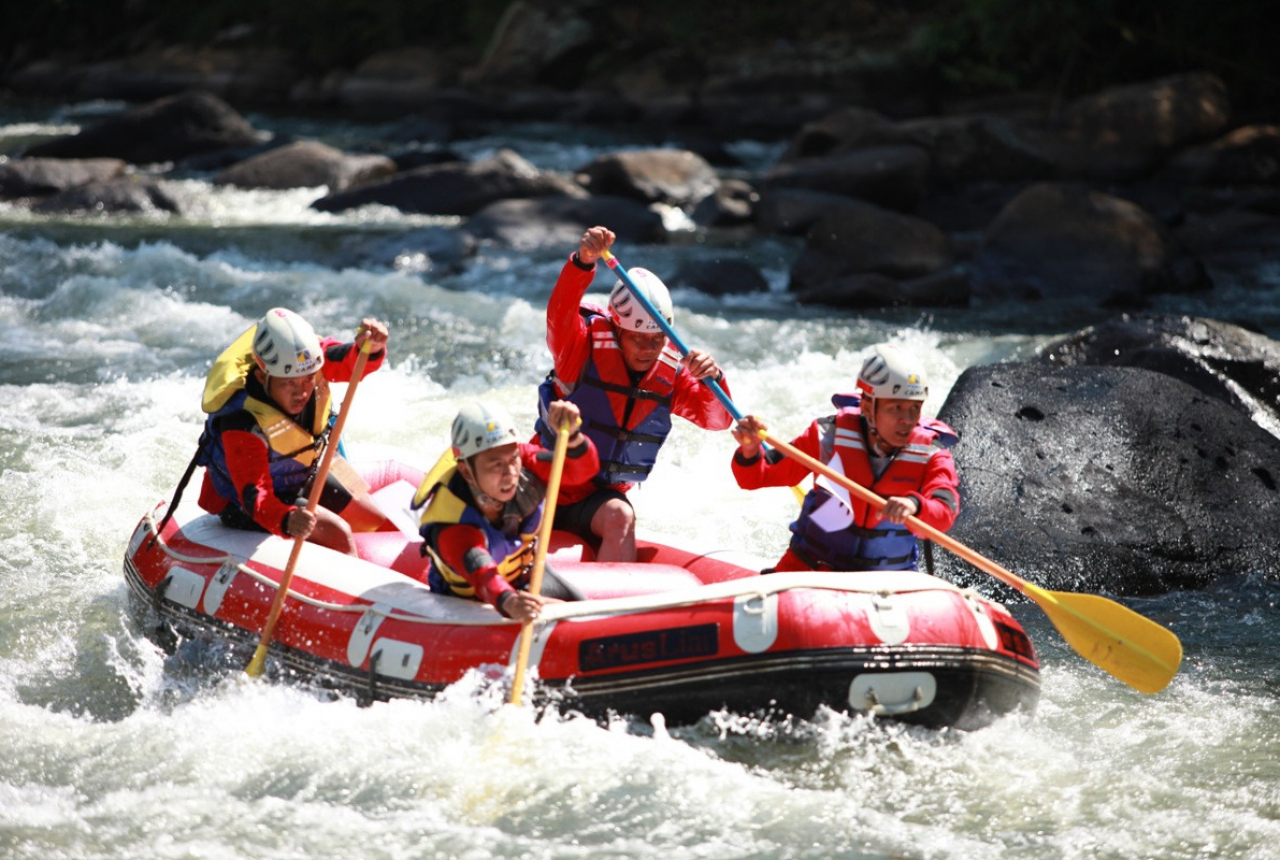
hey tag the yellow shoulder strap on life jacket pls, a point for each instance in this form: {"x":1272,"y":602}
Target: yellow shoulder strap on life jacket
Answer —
{"x":442,"y":504}
{"x":434,"y":475}
{"x":229,"y":372}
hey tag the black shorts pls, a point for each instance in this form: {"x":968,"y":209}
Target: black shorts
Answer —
{"x":576,"y":518}
{"x":335,"y":497}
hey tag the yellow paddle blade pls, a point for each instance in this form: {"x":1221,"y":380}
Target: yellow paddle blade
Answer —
{"x":1129,"y":646}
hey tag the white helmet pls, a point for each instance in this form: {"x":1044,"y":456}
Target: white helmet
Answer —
{"x":478,"y":428}
{"x":284,"y":344}
{"x":893,"y":373}
{"x":629,"y":314}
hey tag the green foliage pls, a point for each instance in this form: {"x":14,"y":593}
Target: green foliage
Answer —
{"x":976,"y":46}
{"x":1074,"y":46}
{"x":322,"y":33}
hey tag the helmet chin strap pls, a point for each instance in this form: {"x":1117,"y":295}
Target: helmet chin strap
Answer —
{"x":482,"y":498}
{"x":879,"y":444}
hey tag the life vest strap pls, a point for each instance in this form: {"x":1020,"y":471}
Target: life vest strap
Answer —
{"x":627,"y":435}
{"x":627,"y":390}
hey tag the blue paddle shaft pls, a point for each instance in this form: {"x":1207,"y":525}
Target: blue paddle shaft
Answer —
{"x":669,"y":332}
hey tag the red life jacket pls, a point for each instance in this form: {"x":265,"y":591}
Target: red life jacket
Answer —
{"x":867,"y":542}
{"x":628,"y":422}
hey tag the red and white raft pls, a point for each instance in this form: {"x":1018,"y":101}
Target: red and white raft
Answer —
{"x":678,"y":633}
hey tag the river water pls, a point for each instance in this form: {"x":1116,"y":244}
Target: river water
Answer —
{"x":109,"y":748}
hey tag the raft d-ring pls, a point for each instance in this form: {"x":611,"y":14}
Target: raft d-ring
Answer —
{"x":880,"y":708}
{"x":754,"y":604}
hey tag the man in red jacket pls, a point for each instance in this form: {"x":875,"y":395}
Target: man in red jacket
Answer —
{"x":269,"y":409}
{"x":879,"y":440}
{"x":628,"y":381}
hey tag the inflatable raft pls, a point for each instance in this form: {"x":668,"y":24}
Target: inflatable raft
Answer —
{"x":677,"y":632}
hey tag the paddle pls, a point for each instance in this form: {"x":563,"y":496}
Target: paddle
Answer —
{"x":540,"y":556}
{"x":1129,"y":646}
{"x":259,"y":661}
{"x":680,"y":345}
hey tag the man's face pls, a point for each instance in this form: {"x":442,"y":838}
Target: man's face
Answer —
{"x":497,"y":471}
{"x":894,"y":419}
{"x":291,"y":393}
{"x":640,"y":350}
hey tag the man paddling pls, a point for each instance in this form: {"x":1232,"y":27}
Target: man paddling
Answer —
{"x":480,"y":519}
{"x":880,"y":441}
{"x":269,"y":409}
{"x":628,"y":380}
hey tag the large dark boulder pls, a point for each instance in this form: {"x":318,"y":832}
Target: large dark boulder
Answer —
{"x":168,"y":129}
{"x":1056,"y":241}
{"x":455,"y":188}
{"x":1114,"y":479}
{"x":858,"y":238}
{"x":1233,"y":364}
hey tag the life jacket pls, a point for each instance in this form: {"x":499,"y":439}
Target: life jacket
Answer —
{"x":446,"y":499}
{"x":293,"y":448}
{"x":628,"y":421}
{"x":857,"y":546}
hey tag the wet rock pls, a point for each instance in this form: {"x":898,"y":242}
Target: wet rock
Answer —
{"x":860,"y":238}
{"x":1247,"y":156}
{"x":948,"y":288}
{"x":1055,"y":240}
{"x":559,"y":221}
{"x":1221,"y":360}
{"x":455,"y":188}
{"x":1155,"y":116}
{"x":1115,"y":479}
{"x":169,"y":129}
{"x":39,"y":177}
{"x":973,"y":149}
{"x":719,"y":275}
{"x":842,"y":131}
{"x":126,"y":194}
{"x":1126,"y":132}
{"x":733,"y":203}
{"x":674,"y":176}
{"x":895,"y":177}
{"x":792,"y":211}
{"x":306,"y":164}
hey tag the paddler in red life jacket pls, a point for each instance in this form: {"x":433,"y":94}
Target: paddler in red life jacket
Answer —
{"x":269,"y":409}
{"x":881,"y":443}
{"x":618,"y":367}
{"x":480,"y":518}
